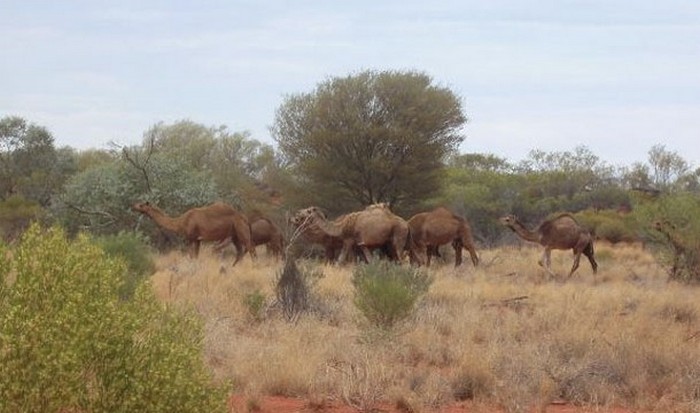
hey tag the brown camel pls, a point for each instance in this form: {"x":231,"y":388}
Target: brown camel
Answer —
{"x":374,"y":227}
{"x":214,"y":222}
{"x":560,"y":233}
{"x":332,"y":245}
{"x":262,"y":231}
{"x":430,"y":230}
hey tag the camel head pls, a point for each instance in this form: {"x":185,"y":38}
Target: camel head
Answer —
{"x":508,"y":220}
{"x":662,"y":225}
{"x":306,"y":215}
{"x":142,"y":207}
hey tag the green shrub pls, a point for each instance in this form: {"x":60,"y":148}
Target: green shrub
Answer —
{"x":678,"y":245}
{"x":16,"y":213}
{"x":68,"y":343}
{"x":133,"y":248}
{"x":255,"y":303}
{"x":609,"y":225}
{"x":386,"y":293}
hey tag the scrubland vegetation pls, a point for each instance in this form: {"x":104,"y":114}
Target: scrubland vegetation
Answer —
{"x":134,"y":325}
{"x":503,"y":334}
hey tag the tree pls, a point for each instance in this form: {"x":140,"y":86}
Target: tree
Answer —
{"x":370,"y":137}
{"x":30,"y":165}
{"x":665,"y":171}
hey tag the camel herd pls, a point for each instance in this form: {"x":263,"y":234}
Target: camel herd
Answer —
{"x":359,"y":233}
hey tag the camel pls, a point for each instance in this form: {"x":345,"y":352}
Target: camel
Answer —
{"x":264,"y":231}
{"x":374,"y":227}
{"x":214,"y":222}
{"x":559,"y":233}
{"x":430,"y":230}
{"x":332,"y":245}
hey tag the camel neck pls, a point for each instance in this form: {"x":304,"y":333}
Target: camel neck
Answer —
{"x":164,"y":220}
{"x":525,"y":233}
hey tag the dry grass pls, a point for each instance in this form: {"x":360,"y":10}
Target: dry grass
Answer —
{"x":502,"y":333}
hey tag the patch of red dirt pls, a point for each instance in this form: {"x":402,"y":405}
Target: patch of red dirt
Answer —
{"x":279,"y":404}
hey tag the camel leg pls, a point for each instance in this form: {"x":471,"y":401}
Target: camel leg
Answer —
{"x":588,"y":252}
{"x":330,"y":254}
{"x":194,"y":248}
{"x":457,"y":245}
{"x":251,"y":251}
{"x":366,"y":254}
{"x":577,"y":259}
{"x":347,"y":245}
{"x":468,"y":244}
{"x":546,"y":261}
{"x":239,"y":251}
{"x":472,"y":254}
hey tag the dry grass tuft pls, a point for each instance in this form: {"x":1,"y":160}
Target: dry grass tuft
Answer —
{"x":504,"y":333}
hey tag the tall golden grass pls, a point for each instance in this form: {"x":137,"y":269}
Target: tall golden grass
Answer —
{"x":504,"y":333}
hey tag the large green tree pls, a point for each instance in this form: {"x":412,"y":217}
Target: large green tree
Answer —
{"x":369,"y":137}
{"x":30,"y":165}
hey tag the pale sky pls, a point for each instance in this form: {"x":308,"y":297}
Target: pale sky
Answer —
{"x":615,"y":76}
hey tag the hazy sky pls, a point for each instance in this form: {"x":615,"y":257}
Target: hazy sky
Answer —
{"x":616,"y":76}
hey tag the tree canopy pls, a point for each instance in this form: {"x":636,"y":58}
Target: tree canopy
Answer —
{"x":369,"y":137}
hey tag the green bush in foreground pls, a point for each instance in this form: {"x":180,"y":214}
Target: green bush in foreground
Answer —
{"x":133,"y":248}
{"x":68,"y":343}
{"x":386,"y":293}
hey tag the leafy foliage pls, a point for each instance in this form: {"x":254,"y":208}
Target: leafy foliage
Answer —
{"x":70,"y":344}
{"x":679,"y":242}
{"x":30,"y":165}
{"x":374,"y":136}
{"x":133,"y":249}
{"x":387,"y":293}
{"x":16,"y":213}
{"x":609,"y":225}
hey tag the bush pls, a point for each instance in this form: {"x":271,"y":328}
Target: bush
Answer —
{"x":679,"y":241}
{"x":133,"y":248}
{"x":15,"y":215}
{"x":255,"y":303}
{"x":68,"y":343}
{"x":386,"y":293}
{"x":609,"y":225}
{"x":293,"y":289}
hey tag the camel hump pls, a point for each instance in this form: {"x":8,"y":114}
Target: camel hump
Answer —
{"x":255,"y":215}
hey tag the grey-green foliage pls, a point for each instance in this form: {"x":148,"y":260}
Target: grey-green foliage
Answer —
{"x":233,"y":160}
{"x":68,"y":343}
{"x":386,"y":293}
{"x":16,"y":213}
{"x":30,"y":165}
{"x":133,"y":249}
{"x":99,"y":199}
{"x":665,"y":171}
{"x":679,"y":214}
{"x":373,"y":136}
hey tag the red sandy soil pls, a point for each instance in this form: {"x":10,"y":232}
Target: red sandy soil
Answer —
{"x":279,"y":404}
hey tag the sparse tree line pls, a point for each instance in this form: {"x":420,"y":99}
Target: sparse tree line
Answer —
{"x":353,"y":141}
